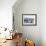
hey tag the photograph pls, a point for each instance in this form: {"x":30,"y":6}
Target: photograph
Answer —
{"x":29,"y":19}
{"x":22,"y":22}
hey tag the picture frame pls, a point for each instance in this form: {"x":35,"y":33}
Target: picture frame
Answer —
{"x":29,"y":19}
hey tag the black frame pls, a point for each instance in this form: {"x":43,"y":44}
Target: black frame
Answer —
{"x":30,"y":24}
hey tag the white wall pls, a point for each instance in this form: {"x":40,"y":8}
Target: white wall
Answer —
{"x":43,"y":22}
{"x":28,"y":7}
{"x":6,"y":13}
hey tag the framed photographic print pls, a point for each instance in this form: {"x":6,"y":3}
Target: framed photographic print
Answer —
{"x":29,"y":19}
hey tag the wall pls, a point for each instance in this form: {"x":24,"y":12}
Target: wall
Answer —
{"x":43,"y":22}
{"x":28,"y":7}
{"x":6,"y":13}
